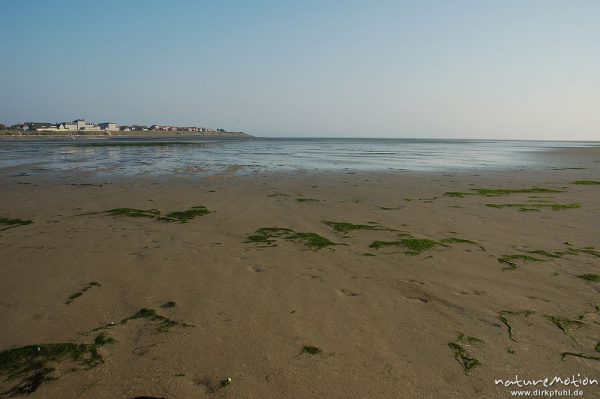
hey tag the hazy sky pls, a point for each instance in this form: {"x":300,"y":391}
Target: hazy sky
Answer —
{"x":460,"y":69}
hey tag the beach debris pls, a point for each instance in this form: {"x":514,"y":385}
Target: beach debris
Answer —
{"x":225,"y":382}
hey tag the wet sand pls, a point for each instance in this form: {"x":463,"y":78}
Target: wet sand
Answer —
{"x":287,"y":320}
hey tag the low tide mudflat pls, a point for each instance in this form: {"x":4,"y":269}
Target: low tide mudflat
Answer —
{"x":338,"y":285}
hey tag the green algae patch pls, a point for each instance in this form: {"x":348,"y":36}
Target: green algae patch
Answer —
{"x":345,"y":227}
{"x":76,"y":295}
{"x":186,"y":216}
{"x":312,"y":240}
{"x":497,"y":192}
{"x":268,"y":235}
{"x":311,"y":350}
{"x":467,"y":338}
{"x":556,"y":255}
{"x":503,"y":317}
{"x":586,"y":182}
{"x":457,"y":194}
{"x":6,"y":223}
{"x":163,"y":324}
{"x":563,"y":355}
{"x":588,"y":250}
{"x":535,"y":207}
{"x":32,"y":365}
{"x":134,"y":213}
{"x":168,"y":305}
{"x":564,"y":324}
{"x":176,"y":216}
{"x":511,"y":260}
{"x":595,"y":278}
{"x":413,"y":246}
{"x":457,"y":240}
{"x":307,"y":200}
{"x":468,"y":362}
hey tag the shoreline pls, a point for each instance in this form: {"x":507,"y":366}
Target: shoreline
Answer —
{"x":125,"y":134}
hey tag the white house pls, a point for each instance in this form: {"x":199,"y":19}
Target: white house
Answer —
{"x":108,"y":126}
{"x":79,"y":124}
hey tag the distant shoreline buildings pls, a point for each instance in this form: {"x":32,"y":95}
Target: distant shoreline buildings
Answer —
{"x":81,"y":125}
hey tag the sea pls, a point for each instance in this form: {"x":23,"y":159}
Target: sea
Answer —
{"x":196,"y":155}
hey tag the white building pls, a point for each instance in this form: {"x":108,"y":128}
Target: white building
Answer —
{"x":108,"y":126}
{"x":78,"y":124}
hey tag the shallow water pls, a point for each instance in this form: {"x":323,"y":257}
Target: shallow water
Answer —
{"x":185,"y":155}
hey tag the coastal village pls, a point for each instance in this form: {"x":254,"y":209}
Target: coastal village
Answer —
{"x":81,"y":126}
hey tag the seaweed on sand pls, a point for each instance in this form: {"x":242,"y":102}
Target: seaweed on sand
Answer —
{"x":32,"y":365}
{"x":186,"y":216}
{"x":496,"y":192}
{"x":177,"y":216}
{"x":503,"y":317}
{"x":134,"y":213}
{"x":311,"y":350}
{"x":268,"y":235}
{"x":457,"y":194}
{"x":510,"y":260}
{"x":595,"y":278}
{"x":413,"y":246}
{"x":416,"y":246}
{"x":564,"y":324}
{"x":457,"y":240}
{"x":345,"y":227}
{"x":162,"y":323}
{"x":532,"y":206}
{"x":76,"y":295}
{"x":586,"y":182}
{"x":467,"y":361}
{"x":6,"y":223}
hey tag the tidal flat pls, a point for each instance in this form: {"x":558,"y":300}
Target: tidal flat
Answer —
{"x":229,"y":285}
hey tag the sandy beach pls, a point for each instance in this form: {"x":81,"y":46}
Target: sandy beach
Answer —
{"x":303,"y":285}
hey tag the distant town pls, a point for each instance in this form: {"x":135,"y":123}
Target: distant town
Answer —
{"x":81,"y":126}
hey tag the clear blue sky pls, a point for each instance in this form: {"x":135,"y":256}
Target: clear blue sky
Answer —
{"x":472,"y":69}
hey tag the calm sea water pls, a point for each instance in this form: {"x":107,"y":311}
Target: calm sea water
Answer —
{"x":160,"y":156}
